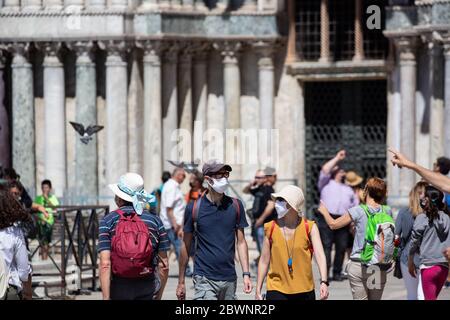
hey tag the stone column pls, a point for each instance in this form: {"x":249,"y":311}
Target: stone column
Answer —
{"x":86,"y":114}
{"x":152,"y":114}
{"x":116,"y":111}
{"x":408,"y":71}
{"x":5,"y":155}
{"x":11,"y":5}
{"x":23,"y":142}
{"x":437,"y":112}
{"x":324,"y":32}
{"x":291,"y":55}
{"x":447,"y":99}
{"x":170,"y":105}
{"x":185,"y":104}
{"x":96,"y":4}
{"x":118,"y":4}
{"x":232,"y":95}
{"x":55,"y":119}
{"x":54,"y":5}
{"x":359,"y":39}
{"x":200,"y":98}
{"x":31,"y":5}
{"x":266,"y":99}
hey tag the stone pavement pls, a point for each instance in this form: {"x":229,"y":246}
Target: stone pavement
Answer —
{"x":394,"y":289}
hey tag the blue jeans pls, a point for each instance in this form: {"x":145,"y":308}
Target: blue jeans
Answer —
{"x":259,"y":232}
{"x":175,"y":241}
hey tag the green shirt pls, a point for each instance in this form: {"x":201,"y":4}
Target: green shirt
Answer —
{"x":52,"y":200}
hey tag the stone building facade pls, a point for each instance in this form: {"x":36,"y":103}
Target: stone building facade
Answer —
{"x":313,"y":70}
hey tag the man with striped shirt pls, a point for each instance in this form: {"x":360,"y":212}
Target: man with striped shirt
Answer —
{"x":129,"y":196}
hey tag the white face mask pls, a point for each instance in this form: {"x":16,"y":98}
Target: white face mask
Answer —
{"x":280,"y":207}
{"x":220,"y":185}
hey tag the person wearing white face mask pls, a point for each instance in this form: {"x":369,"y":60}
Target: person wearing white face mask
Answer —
{"x":290,"y":242}
{"x":216,"y":222}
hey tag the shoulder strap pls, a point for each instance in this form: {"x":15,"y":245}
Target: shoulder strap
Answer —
{"x":238,"y":210}
{"x":311,"y":248}
{"x":366,"y":209}
{"x":272,"y":227}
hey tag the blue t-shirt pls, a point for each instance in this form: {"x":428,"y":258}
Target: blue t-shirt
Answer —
{"x":216,"y":227}
{"x":447,"y":199}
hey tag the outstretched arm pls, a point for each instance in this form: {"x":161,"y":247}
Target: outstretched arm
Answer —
{"x":435,"y":178}
{"x":330,"y":164}
{"x":334,"y":224}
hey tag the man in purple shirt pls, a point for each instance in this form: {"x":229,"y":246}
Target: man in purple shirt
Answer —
{"x":338,"y":198}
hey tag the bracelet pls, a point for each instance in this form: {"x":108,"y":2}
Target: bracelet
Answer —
{"x":325,"y":282}
{"x":246,"y":274}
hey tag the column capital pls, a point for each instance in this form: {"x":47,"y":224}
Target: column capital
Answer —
{"x":229,"y":50}
{"x":117,"y":48}
{"x":20,"y":51}
{"x":201,"y":51}
{"x":171,"y":50}
{"x":84,"y":51}
{"x":407,"y":47}
{"x":265,"y":51}
{"x":152,"y":50}
{"x":446,"y":43}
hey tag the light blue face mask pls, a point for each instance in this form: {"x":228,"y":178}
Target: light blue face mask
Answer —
{"x":138,"y":197}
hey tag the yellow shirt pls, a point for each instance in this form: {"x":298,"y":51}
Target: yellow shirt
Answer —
{"x":279,"y":278}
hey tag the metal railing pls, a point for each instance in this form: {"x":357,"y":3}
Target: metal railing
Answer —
{"x":78,"y":240}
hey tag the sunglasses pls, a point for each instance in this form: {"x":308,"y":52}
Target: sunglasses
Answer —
{"x":220,"y":175}
{"x":259,"y":177}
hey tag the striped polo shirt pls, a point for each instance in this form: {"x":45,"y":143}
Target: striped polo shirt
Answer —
{"x":158,"y":235}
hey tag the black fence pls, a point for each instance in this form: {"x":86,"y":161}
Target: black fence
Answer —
{"x":76,"y":239}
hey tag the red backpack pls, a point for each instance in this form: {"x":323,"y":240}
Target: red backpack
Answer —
{"x":131,"y":248}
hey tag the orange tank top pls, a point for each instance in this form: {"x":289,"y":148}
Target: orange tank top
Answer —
{"x":279,"y":278}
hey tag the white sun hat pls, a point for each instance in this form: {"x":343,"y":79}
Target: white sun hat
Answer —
{"x":131,"y":188}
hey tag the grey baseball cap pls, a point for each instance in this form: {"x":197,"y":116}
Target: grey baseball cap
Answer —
{"x":214,"y":166}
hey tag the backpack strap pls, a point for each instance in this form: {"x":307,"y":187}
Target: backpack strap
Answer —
{"x":272,"y":227}
{"x":310,"y":247}
{"x":238,"y":210}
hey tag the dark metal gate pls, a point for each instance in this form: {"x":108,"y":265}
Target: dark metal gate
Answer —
{"x":348,"y":115}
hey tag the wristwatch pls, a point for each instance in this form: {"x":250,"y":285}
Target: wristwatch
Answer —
{"x":246,"y":274}
{"x":325,"y":282}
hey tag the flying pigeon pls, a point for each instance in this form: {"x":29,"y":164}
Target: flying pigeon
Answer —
{"x":86,"y":135}
{"x":189,"y":167}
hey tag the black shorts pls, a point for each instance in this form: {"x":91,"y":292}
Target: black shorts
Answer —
{"x":132,"y":289}
{"x":277,"y":295}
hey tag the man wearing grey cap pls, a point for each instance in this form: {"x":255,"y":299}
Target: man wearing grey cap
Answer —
{"x":217,"y":221}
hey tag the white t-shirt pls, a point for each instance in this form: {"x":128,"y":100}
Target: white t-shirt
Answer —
{"x":172,"y":197}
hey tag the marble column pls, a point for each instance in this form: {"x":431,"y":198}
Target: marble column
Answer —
{"x":96,"y":5}
{"x":447,"y":99}
{"x":11,"y":5}
{"x":291,"y":54}
{"x":31,"y":5}
{"x":23,"y":144}
{"x":5,"y":147}
{"x":324,"y":32}
{"x":437,"y":112}
{"x":170,"y":105}
{"x":86,"y":114}
{"x":55,"y":5}
{"x":152,"y":114}
{"x":185,"y":104}
{"x":116,"y":112}
{"x":200,"y":98}
{"x":266,"y":99}
{"x":408,"y":71}
{"x":359,"y":38}
{"x":118,"y":4}
{"x":232,"y":95}
{"x":55,"y":119}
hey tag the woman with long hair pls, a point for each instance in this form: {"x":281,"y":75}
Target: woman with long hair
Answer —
{"x":289,"y":244}
{"x":430,"y":237}
{"x":403,"y":227}
{"x":12,"y":247}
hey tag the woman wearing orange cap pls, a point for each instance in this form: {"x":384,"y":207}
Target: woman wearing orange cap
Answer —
{"x":289,"y":245}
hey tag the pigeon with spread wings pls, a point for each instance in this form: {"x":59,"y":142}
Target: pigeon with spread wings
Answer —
{"x":86,"y":134}
{"x":189,"y":167}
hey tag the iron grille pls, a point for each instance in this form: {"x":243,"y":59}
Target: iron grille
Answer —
{"x":375,"y":43}
{"x":342,"y":29}
{"x":308,"y":29}
{"x":350,"y":115}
